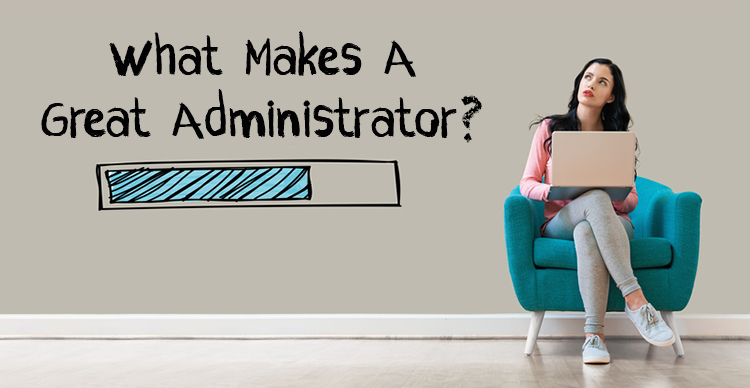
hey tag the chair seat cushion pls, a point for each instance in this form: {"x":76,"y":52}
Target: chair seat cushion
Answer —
{"x":651,"y":252}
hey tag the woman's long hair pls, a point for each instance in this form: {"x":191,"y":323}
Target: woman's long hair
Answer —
{"x":615,"y":115}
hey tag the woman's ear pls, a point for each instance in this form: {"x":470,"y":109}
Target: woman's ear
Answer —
{"x":611,"y":98}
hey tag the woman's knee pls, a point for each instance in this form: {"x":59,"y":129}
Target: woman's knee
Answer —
{"x":597,"y":201}
{"x":583,"y":232}
{"x":597,"y":195}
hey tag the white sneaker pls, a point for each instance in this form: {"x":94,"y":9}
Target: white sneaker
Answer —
{"x":595,"y":351}
{"x":649,"y":323}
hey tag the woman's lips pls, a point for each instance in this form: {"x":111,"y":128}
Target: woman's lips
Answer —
{"x":588,"y":93}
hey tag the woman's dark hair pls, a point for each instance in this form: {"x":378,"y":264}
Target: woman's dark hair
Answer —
{"x":615,"y":115}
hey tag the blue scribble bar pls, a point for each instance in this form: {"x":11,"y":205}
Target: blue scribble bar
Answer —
{"x":209,"y":184}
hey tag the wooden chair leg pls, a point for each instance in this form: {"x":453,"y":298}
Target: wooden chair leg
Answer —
{"x":536,"y":323}
{"x":669,"y":318}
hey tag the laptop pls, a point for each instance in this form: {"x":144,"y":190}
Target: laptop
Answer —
{"x":586,"y":160}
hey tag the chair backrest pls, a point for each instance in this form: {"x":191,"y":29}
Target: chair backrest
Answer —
{"x":647,"y":191}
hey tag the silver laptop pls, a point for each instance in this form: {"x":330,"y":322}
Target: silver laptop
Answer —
{"x":582,"y":161}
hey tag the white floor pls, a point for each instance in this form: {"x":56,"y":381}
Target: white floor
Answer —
{"x":364,"y":363}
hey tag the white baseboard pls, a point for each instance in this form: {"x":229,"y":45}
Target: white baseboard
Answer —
{"x":375,"y":326}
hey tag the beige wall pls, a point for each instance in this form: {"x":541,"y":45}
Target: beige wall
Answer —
{"x":443,"y":251}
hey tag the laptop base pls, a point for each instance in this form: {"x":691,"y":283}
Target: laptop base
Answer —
{"x":565,"y":193}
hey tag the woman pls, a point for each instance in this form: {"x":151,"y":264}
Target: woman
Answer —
{"x":599,"y":226}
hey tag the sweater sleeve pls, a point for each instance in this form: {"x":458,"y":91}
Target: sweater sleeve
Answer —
{"x":628,"y":204}
{"x":536,"y":166}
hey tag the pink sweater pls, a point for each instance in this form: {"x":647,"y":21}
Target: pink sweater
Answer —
{"x":536,"y":168}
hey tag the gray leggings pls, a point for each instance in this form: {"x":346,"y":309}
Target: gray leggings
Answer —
{"x":602,"y":249}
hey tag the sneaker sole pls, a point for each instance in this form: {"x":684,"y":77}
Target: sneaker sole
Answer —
{"x":665,"y":343}
{"x":655,"y":343}
{"x":596,"y":360}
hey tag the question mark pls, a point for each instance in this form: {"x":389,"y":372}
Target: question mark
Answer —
{"x":468,"y":115}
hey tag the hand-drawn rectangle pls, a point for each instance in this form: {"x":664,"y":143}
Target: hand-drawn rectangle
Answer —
{"x":149,"y":185}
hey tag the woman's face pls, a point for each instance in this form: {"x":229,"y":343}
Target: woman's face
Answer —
{"x":595,"y":89}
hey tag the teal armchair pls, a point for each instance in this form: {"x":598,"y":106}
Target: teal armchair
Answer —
{"x":664,"y":256}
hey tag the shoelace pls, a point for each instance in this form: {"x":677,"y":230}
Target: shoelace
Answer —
{"x":649,"y":314}
{"x":592,"y":340}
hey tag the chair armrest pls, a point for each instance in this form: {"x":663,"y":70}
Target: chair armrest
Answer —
{"x":676,"y":217}
{"x":519,"y":243}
